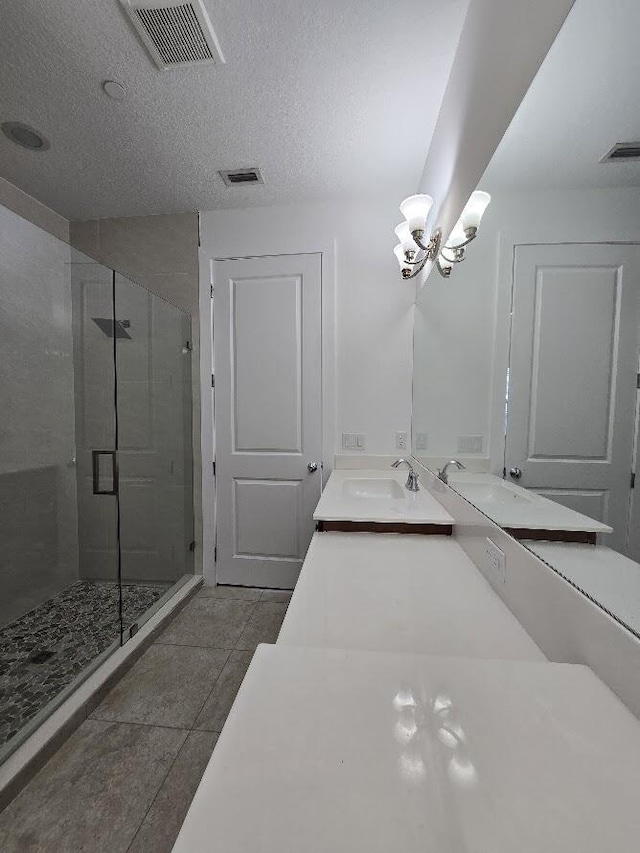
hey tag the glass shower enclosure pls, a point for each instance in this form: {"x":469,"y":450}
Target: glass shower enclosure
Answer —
{"x":96,"y":477}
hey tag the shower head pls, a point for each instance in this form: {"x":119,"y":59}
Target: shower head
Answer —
{"x":106,"y":326}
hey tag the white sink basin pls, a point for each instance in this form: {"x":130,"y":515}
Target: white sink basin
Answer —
{"x":490,"y":494}
{"x":375,"y":496}
{"x":372,"y":488}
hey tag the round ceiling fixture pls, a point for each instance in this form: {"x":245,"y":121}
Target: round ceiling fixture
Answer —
{"x":25,"y":136}
{"x":114,"y":90}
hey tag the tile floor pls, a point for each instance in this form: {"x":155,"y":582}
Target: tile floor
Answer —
{"x":124,"y":780}
{"x":42,"y":652}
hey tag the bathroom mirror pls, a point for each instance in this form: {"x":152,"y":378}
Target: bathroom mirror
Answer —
{"x":526,"y":358}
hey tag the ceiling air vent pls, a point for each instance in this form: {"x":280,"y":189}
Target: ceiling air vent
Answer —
{"x":622,"y":152}
{"x":237,"y":177}
{"x":174,"y":33}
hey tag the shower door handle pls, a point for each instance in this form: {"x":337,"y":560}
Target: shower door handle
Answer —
{"x":99,"y":474}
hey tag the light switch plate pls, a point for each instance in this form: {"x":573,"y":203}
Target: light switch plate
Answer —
{"x":353,"y":441}
{"x":401,"y":440}
{"x":496,"y":563}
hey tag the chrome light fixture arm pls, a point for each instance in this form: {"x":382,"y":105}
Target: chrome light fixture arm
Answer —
{"x":445,"y":271}
{"x":433,"y":246}
{"x":431,"y":251}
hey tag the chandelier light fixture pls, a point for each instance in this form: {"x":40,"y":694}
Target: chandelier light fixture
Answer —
{"x":413,"y":252}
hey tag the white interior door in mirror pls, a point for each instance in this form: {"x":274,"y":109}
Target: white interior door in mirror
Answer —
{"x":572,"y":377}
{"x":268,"y":403}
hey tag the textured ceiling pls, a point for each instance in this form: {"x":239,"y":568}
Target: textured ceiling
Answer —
{"x":585,"y":98}
{"x":329,"y":99}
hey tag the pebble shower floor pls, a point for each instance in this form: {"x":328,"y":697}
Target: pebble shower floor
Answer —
{"x":43,"y":651}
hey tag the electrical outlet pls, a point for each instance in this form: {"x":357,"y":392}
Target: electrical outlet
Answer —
{"x":401,"y":440}
{"x":421,"y":441}
{"x":353,"y":441}
{"x":469,"y":444}
{"x":496,"y":563}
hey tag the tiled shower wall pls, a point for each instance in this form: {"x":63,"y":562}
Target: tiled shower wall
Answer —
{"x":38,"y":518}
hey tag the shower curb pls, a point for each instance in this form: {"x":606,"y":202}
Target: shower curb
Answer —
{"x":31,"y":756}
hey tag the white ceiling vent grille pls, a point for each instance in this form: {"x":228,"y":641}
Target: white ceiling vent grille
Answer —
{"x":174,"y":33}
{"x":622,"y":152}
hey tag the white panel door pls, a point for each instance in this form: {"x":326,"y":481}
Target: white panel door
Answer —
{"x":572,"y":379}
{"x":268,"y":404}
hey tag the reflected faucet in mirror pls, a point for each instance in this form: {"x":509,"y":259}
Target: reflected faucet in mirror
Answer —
{"x":442,"y":473}
{"x":412,"y":478}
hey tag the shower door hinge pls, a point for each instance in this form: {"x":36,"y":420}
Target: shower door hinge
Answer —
{"x":633,"y":479}
{"x":192,"y":545}
{"x":188,"y":346}
{"x":214,"y":468}
{"x":212,"y":291}
{"x":213,"y":381}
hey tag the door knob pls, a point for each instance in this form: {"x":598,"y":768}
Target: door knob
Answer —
{"x":312,"y":467}
{"x":516,"y":473}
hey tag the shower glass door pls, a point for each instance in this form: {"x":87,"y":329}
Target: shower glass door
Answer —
{"x":96,"y":480}
{"x":153,"y":403}
{"x":98,"y":559}
{"x":59,"y":579}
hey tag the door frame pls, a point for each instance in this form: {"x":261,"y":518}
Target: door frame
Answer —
{"x":207,"y":260}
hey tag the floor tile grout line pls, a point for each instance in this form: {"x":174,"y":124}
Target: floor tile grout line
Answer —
{"x":249,"y":618}
{"x":195,"y":719}
{"x":192,"y":646}
{"x":155,"y":796}
{"x":137,"y":723}
{"x":213,"y":687}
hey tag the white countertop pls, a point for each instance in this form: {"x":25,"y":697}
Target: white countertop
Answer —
{"x":512,"y":506}
{"x":343,"y":500}
{"x":400,"y":593}
{"x":611,"y":579}
{"x":330,"y":751}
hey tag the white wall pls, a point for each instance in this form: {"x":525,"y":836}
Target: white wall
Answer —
{"x":462,"y":325}
{"x":38,"y":514}
{"x":373,"y":307}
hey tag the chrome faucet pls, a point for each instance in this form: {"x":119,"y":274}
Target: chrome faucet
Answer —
{"x":412,"y":479}
{"x":442,"y":474}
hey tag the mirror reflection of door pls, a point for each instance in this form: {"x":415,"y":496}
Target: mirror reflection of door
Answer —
{"x":573,"y":377}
